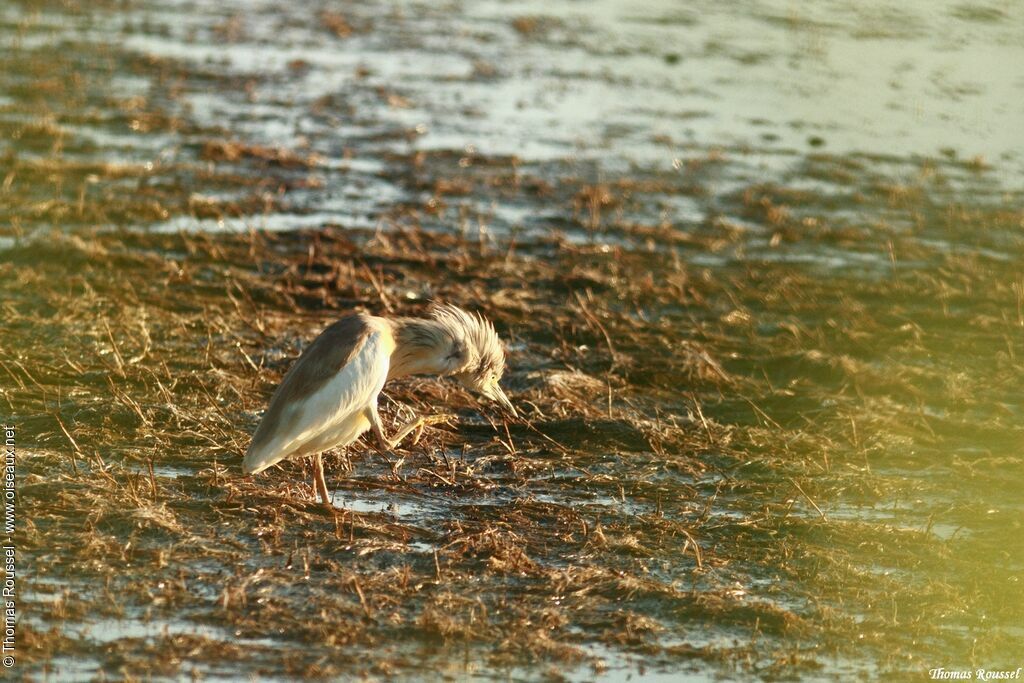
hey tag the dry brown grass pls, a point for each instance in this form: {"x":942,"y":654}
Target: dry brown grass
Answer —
{"x":597,"y":518}
{"x":783,"y":439}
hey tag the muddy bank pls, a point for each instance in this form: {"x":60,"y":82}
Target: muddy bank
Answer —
{"x":770,"y":388}
{"x":708,"y":476}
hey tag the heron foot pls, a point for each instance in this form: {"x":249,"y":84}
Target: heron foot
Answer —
{"x":318,"y":480}
{"x":415,"y":427}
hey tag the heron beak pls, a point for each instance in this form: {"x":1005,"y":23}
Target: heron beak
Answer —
{"x":499,"y":397}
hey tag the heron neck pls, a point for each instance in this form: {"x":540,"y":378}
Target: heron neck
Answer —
{"x":420,"y":348}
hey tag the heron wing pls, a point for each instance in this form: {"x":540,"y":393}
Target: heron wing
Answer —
{"x":332,"y":382}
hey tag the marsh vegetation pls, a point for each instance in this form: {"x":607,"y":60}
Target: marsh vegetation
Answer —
{"x":770,"y":395}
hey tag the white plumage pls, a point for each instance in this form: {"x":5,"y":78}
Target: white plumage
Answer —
{"x":329,"y":396}
{"x":333,"y":416}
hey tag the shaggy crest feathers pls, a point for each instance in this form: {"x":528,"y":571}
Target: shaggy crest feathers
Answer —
{"x":475,"y":337}
{"x":449,"y":342}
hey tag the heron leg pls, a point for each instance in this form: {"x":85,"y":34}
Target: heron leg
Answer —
{"x":319,"y":481}
{"x":378,"y":429}
{"x":416,"y":424}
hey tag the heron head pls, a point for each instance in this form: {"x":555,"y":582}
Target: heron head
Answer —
{"x":477,"y":357}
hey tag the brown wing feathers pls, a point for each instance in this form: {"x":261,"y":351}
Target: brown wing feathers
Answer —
{"x":328,"y":353}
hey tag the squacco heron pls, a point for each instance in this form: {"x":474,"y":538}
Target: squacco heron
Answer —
{"x":329,"y":396}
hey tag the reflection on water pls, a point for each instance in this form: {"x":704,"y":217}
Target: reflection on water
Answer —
{"x":856,"y":165}
{"x":614,"y":81}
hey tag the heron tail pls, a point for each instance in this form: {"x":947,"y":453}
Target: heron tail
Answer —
{"x":260,"y":456}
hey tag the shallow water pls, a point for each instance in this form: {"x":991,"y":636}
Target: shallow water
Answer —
{"x":845,"y":179}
